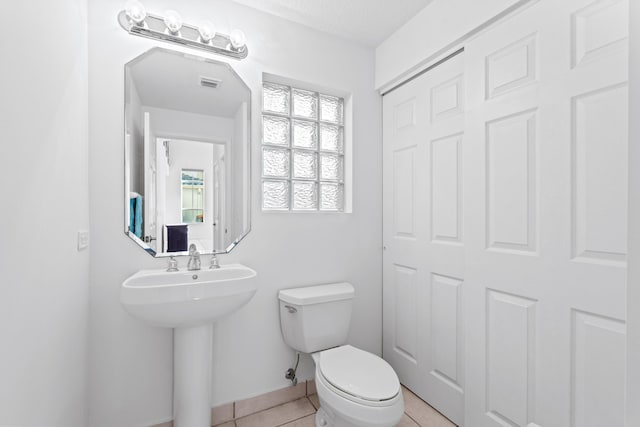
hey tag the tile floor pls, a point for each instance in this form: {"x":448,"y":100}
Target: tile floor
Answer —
{"x":301,"y":413}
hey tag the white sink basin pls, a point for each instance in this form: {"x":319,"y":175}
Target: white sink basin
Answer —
{"x":187,"y":298}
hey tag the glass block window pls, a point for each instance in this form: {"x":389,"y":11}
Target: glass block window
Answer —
{"x":302,"y":150}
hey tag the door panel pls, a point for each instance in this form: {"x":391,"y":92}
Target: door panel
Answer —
{"x":423,"y":327}
{"x":446,"y":189}
{"x":505,"y":228}
{"x":511,"y":183}
{"x":599,"y":212}
{"x":598,"y":362}
{"x":511,"y":351}
{"x":546,"y":172}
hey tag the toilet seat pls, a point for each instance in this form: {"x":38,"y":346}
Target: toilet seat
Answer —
{"x":358,"y":375}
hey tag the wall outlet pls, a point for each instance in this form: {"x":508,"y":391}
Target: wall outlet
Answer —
{"x":83,"y":240}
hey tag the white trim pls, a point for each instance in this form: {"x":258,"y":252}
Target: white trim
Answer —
{"x":451,"y":48}
{"x":632,"y":395}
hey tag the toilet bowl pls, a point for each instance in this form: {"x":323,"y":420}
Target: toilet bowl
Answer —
{"x":355,"y":388}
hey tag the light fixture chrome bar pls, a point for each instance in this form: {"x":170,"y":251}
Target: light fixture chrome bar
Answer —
{"x":153,"y":27}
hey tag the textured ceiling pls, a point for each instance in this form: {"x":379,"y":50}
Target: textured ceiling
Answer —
{"x":367,"y":22}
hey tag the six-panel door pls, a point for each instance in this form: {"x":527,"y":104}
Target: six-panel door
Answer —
{"x":505,"y":260}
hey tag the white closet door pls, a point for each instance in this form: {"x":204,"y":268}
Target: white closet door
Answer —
{"x":424,"y":255}
{"x":513,"y":223}
{"x":545,"y":217}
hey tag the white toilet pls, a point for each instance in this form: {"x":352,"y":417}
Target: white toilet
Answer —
{"x":356,"y":388}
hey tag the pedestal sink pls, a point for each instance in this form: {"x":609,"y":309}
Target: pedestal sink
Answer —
{"x":189,"y":302}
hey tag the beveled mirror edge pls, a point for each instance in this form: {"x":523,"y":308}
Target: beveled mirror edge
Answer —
{"x":127,"y":231}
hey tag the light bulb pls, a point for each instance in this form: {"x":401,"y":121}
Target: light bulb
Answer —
{"x":173,"y":21}
{"x":135,"y":11}
{"x":238,"y":39}
{"x":207,"y":31}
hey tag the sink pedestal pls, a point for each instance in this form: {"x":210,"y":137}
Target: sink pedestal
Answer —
{"x":189,"y":302}
{"x":192,"y":376}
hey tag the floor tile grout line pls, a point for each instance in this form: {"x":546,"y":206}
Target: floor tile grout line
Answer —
{"x":307,"y":398}
{"x":411,"y":418}
{"x":427,"y":403}
{"x":293,"y":421}
{"x":312,"y":404}
{"x":271,"y":407}
{"x":304,"y":416}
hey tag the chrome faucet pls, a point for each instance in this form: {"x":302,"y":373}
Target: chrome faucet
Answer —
{"x":214,"y":262}
{"x":194,"y":258}
{"x":173,"y":265}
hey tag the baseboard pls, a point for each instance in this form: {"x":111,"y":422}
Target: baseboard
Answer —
{"x":242,"y":408}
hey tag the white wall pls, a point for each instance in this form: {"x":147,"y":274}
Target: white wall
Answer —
{"x":440,"y":24}
{"x":633,"y":262}
{"x":196,"y":127}
{"x":131,"y":364}
{"x":45,"y":201}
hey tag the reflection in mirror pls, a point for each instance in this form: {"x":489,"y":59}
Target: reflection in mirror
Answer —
{"x":192,"y":196}
{"x":187,"y":132}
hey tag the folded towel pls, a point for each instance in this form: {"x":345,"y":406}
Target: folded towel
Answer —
{"x":177,"y":238}
{"x":138,"y":217}
{"x":132,"y":215}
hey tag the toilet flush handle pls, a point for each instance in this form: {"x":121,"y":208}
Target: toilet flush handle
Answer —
{"x":291,"y":309}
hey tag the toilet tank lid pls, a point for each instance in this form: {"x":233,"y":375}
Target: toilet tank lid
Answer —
{"x":317,"y":294}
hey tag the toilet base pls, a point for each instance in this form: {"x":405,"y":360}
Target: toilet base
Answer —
{"x":324,"y":418}
{"x":336,"y":411}
{"x":327,"y":418}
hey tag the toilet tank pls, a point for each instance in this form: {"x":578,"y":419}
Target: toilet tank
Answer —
{"x":316,"y":318}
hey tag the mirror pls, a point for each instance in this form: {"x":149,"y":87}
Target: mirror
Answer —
{"x":187,"y":127}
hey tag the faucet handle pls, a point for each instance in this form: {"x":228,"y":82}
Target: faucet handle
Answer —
{"x":214,"y":262}
{"x":173,"y":265}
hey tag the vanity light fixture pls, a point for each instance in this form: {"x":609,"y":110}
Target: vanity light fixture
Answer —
{"x":238,"y":39}
{"x":207,"y":31}
{"x":135,"y":20}
{"x":173,"y":21}
{"x":135,"y":12}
